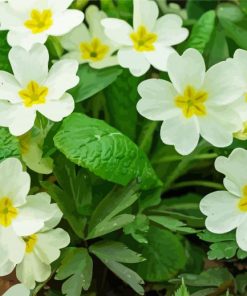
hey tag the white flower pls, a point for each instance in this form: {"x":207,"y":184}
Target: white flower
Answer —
{"x":195,"y":103}
{"x":149,"y":41}
{"x":31,"y":145}
{"x":90,"y":45}
{"x":20,"y":215}
{"x":42,"y":248}
{"x":17,"y":290}
{"x":227,"y":210}
{"x":33,"y":21}
{"x":32,"y":88}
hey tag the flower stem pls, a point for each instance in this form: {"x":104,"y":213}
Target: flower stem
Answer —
{"x":198,"y":183}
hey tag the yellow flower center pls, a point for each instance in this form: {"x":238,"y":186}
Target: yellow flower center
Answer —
{"x":143,"y":40}
{"x":192,"y":102}
{"x":94,"y":50}
{"x":30,"y":242}
{"x":7,"y":212}
{"x":242,"y":204}
{"x":39,"y":21}
{"x":33,"y":94}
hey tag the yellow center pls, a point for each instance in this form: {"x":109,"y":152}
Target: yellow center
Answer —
{"x":192,"y":102}
{"x":39,"y":21}
{"x":242,"y":204}
{"x":30,"y":242}
{"x":33,"y":94}
{"x":94,"y":50}
{"x":143,"y":40}
{"x":7,"y":212}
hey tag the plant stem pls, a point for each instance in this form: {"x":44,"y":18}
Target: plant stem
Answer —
{"x":180,"y":157}
{"x":198,"y":183}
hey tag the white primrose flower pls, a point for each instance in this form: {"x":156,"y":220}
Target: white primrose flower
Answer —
{"x":149,"y":41}
{"x":42,"y":248}
{"x":32,"y":21}
{"x":197,"y":102}
{"x":33,"y":88}
{"x":20,"y":214}
{"x":17,"y":290}
{"x":227,"y":210}
{"x":90,"y":45}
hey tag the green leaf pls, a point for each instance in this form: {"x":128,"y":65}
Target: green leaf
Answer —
{"x":232,"y":20}
{"x":115,"y":251}
{"x":104,"y":151}
{"x":93,"y":81}
{"x":9,"y":145}
{"x":241,"y":254}
{"x":4,"y":51}
{"x":77,"y":266}
{"x":196,"y":8}
{"x":105,"y":217}
{"x":121,"y":99}
{"x":214,"y":237}
{"x":172,"y":224}
{"x":182,"y":291}
{"x":73,"y":195}
{"x":212,"y":277}
{"x":138,"y":228}
{"x":202,"y":31}
{"x":221,"y":250}
{"x":241,"y":281}
{"x":164,"y":254}
{"x":119,"y":9}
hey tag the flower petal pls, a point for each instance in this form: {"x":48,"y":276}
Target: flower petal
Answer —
{"x":59,"y":5}
{"x":61,"y":77}
{"x":29,"y":65}
{"x":18,"y":289}
{"x":157,"y":99}
{"x":14,"y":182}
{"x":106,"y":62}
{"x":56,"y":110}
{"x":181,"y":132}
{"x":241,"y":235}
{"x":117,"y":30}
{"x":9,"y":87}
{"x":133,"y":60}
{"x":145,"y":13}
{"x":187,"y":69}
{"x":221,"y":207}
{"x":169,"y":30}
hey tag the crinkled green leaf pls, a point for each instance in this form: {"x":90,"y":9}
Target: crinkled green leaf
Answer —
{"x":9,"y":145}
{"x":221,"y":250}
{"x":104,"y":151}
{"x":77,"y":268}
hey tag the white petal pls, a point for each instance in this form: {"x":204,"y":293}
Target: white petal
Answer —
{"x":188,"y":69}
{"x":9,"y":87}
{"x":33,"y":214}
{"x":61,"y":77}
{"x":117,"y":30}
{"x":221,"y":207}
{"x":93,"y":18}
{"x":25,"y":39}
{"x":234,"y":168}
{"x":65,"y":22}
{"x":159,"y":57}
{"x":49,"y":244}
{"x":18,"y":289}
{"x":169,"y":30}
{"x":10,"y":18}
{"x":218,"y":125}
{"x":133,"y":60}
{"x":72,"y":40}
{"x":29,"y":65}
{"x":13,"y":244}
{"x":59,"y":5}
{"x":56,"y":216}
{"x":222,"y":84}
{"x":6,"y":266}
{"x":181,"y":132}
{"x":240,"y":62}
{"x":145,"y":13}
{"x":106,"y":62}
{"x":157,"y":101}
{"x":56,"y":110}
{"x":31,"y":269}
{"x":241,"y":235}
{"x":14,"y":182}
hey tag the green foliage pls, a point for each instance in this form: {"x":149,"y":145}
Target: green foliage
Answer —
{"x":77,"y":268}
{"x":9,"y":145}
{"x":93,"y":81}
{"x":120,"y":9}
{"x":4,"y":50}
{"x":182,"y":291}
{"x":104,"y":151}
